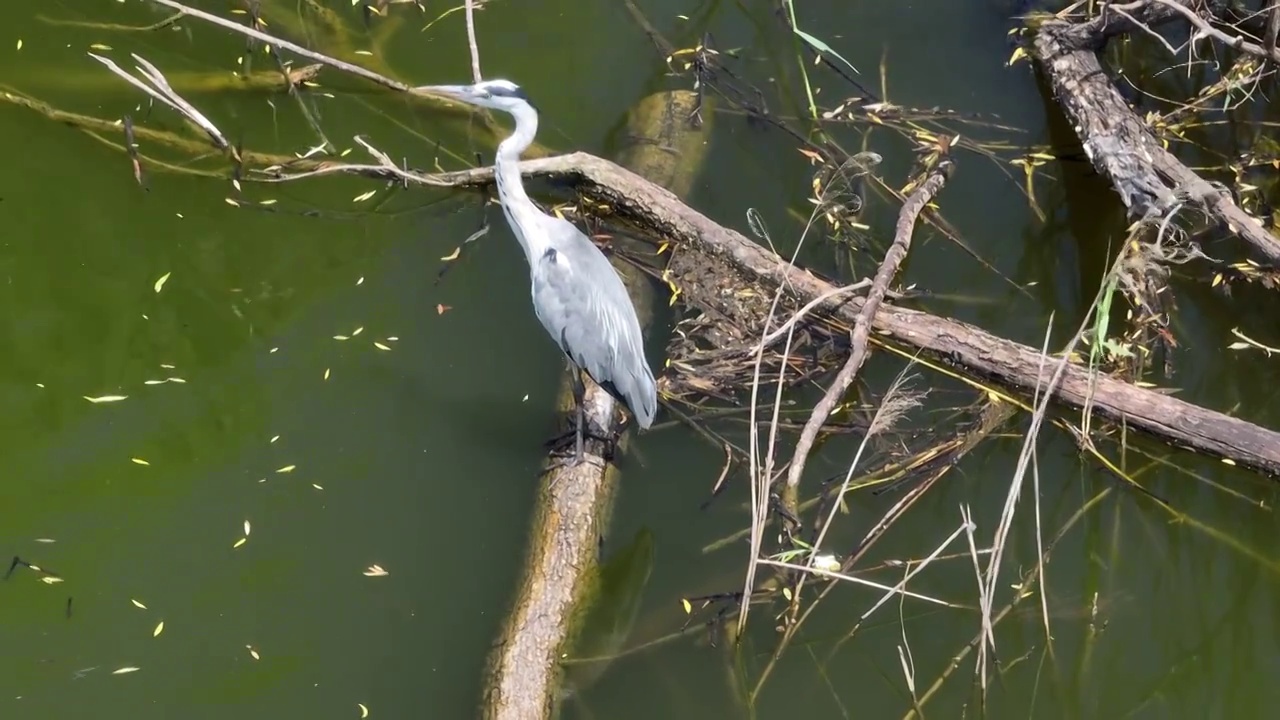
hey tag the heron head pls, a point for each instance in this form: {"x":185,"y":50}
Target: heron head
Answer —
{"x":497,"y":94}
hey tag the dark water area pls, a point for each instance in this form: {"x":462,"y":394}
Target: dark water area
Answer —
{"x":413,"y":442}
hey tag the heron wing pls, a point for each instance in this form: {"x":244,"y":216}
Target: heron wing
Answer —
{"x":585,"y":308}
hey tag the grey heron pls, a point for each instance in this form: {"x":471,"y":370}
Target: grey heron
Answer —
{"x":577,"y":295}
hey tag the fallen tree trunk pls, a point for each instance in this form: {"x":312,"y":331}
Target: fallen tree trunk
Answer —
{"x":561,"y":581}
{"x":971,"y":350}
{"x":1149,"y":179}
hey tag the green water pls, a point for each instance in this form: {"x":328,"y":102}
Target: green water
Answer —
{"x":421,"y":458}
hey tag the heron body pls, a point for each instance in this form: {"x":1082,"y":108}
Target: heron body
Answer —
{"x":577,"y":295}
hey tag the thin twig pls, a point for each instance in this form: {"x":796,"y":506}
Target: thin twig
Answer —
{"x":471,"y":42}
{"x":894,"y":256}
{"x":832,"y":575}
{"x":356,"y":70}
{"x":166,"y":96}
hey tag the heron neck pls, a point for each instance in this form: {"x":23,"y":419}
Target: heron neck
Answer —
{"x":515,"y":202}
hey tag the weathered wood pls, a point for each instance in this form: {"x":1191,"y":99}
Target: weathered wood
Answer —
{"x":561,"y":579}
{"x":1150,"y":180}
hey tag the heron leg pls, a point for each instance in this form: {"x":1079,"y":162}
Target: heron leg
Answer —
{"x":579,"y":401}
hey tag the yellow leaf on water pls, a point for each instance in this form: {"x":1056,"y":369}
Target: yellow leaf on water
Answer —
{"x":357,"y":331}
{"x":140,"y":461}
{"x":138,"y":604}
{"x":341,"y":337}
{"x":50,"y":579}
{"x":688,"y":606}
{"x":380,"y":346}
{"x":326,"y":373}
{"x":253,"y":653}
{"x":316,"y":486}
{"x":364,"y":196}
{"x":453,"y":255}
{"x":287,"y":469}
{"x":363,"y":52}
{"x":99,"y":46}
{"x":19,"y":43}
{"x":246,"y":528}
{"x":375,"y":571}
{"x":159,"y":629}
{"x":275,"y":438}
{"x":163,"y":279}
{"x":364,"y":711}
{"x":105,"y":398}
{"x":239,"y":542}
{"x":125,"y":670}
{"x":232,"y":202}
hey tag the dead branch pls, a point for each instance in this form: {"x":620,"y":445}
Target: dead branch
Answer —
{"x":923,"y":194}
{"x":166,"y":95}
{"x":975,"y":352}
{"x":1149,"y":179}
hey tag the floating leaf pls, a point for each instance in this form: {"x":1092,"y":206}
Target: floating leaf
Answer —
{"x":442,"y":309}
{"x":125,"y":670}
{"x":380,"y":346}
{"x":253,"y":653}
{"x":361,"y":280}
{"x":137,"y":604}
{"x":140,"y":461}
{"x":99,"y":46}
{"x":287,"y":469}
{"x":688,"y":606}
{"x":364,"y":711}
{"x":163,"y":279}
{"x":239,"y":542}
{"x":364,"y":196}
{"x":341,"y":337}
{"x":159,"y":629}
{"x":357,"y":331}
{"x":48,"y":579}
{"x":19,"y":43}
{"x":275,"y":438}
{"x":46,"y":540}
{"x":316,"y":486}
{"x":326,"y":373}
{"x":105,"y":398}
{"x":363,"y":52}
{"x":375,"y":571}
{"x":246,"y":528}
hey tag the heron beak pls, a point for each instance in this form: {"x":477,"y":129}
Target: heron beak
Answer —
{"x":463,"y":93}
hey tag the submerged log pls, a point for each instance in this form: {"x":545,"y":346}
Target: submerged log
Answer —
{"x":562,"y":580}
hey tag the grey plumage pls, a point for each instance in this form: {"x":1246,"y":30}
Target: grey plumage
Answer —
{"x":577,"y":295}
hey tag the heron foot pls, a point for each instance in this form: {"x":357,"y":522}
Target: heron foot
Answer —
{"x":567,"y":445}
